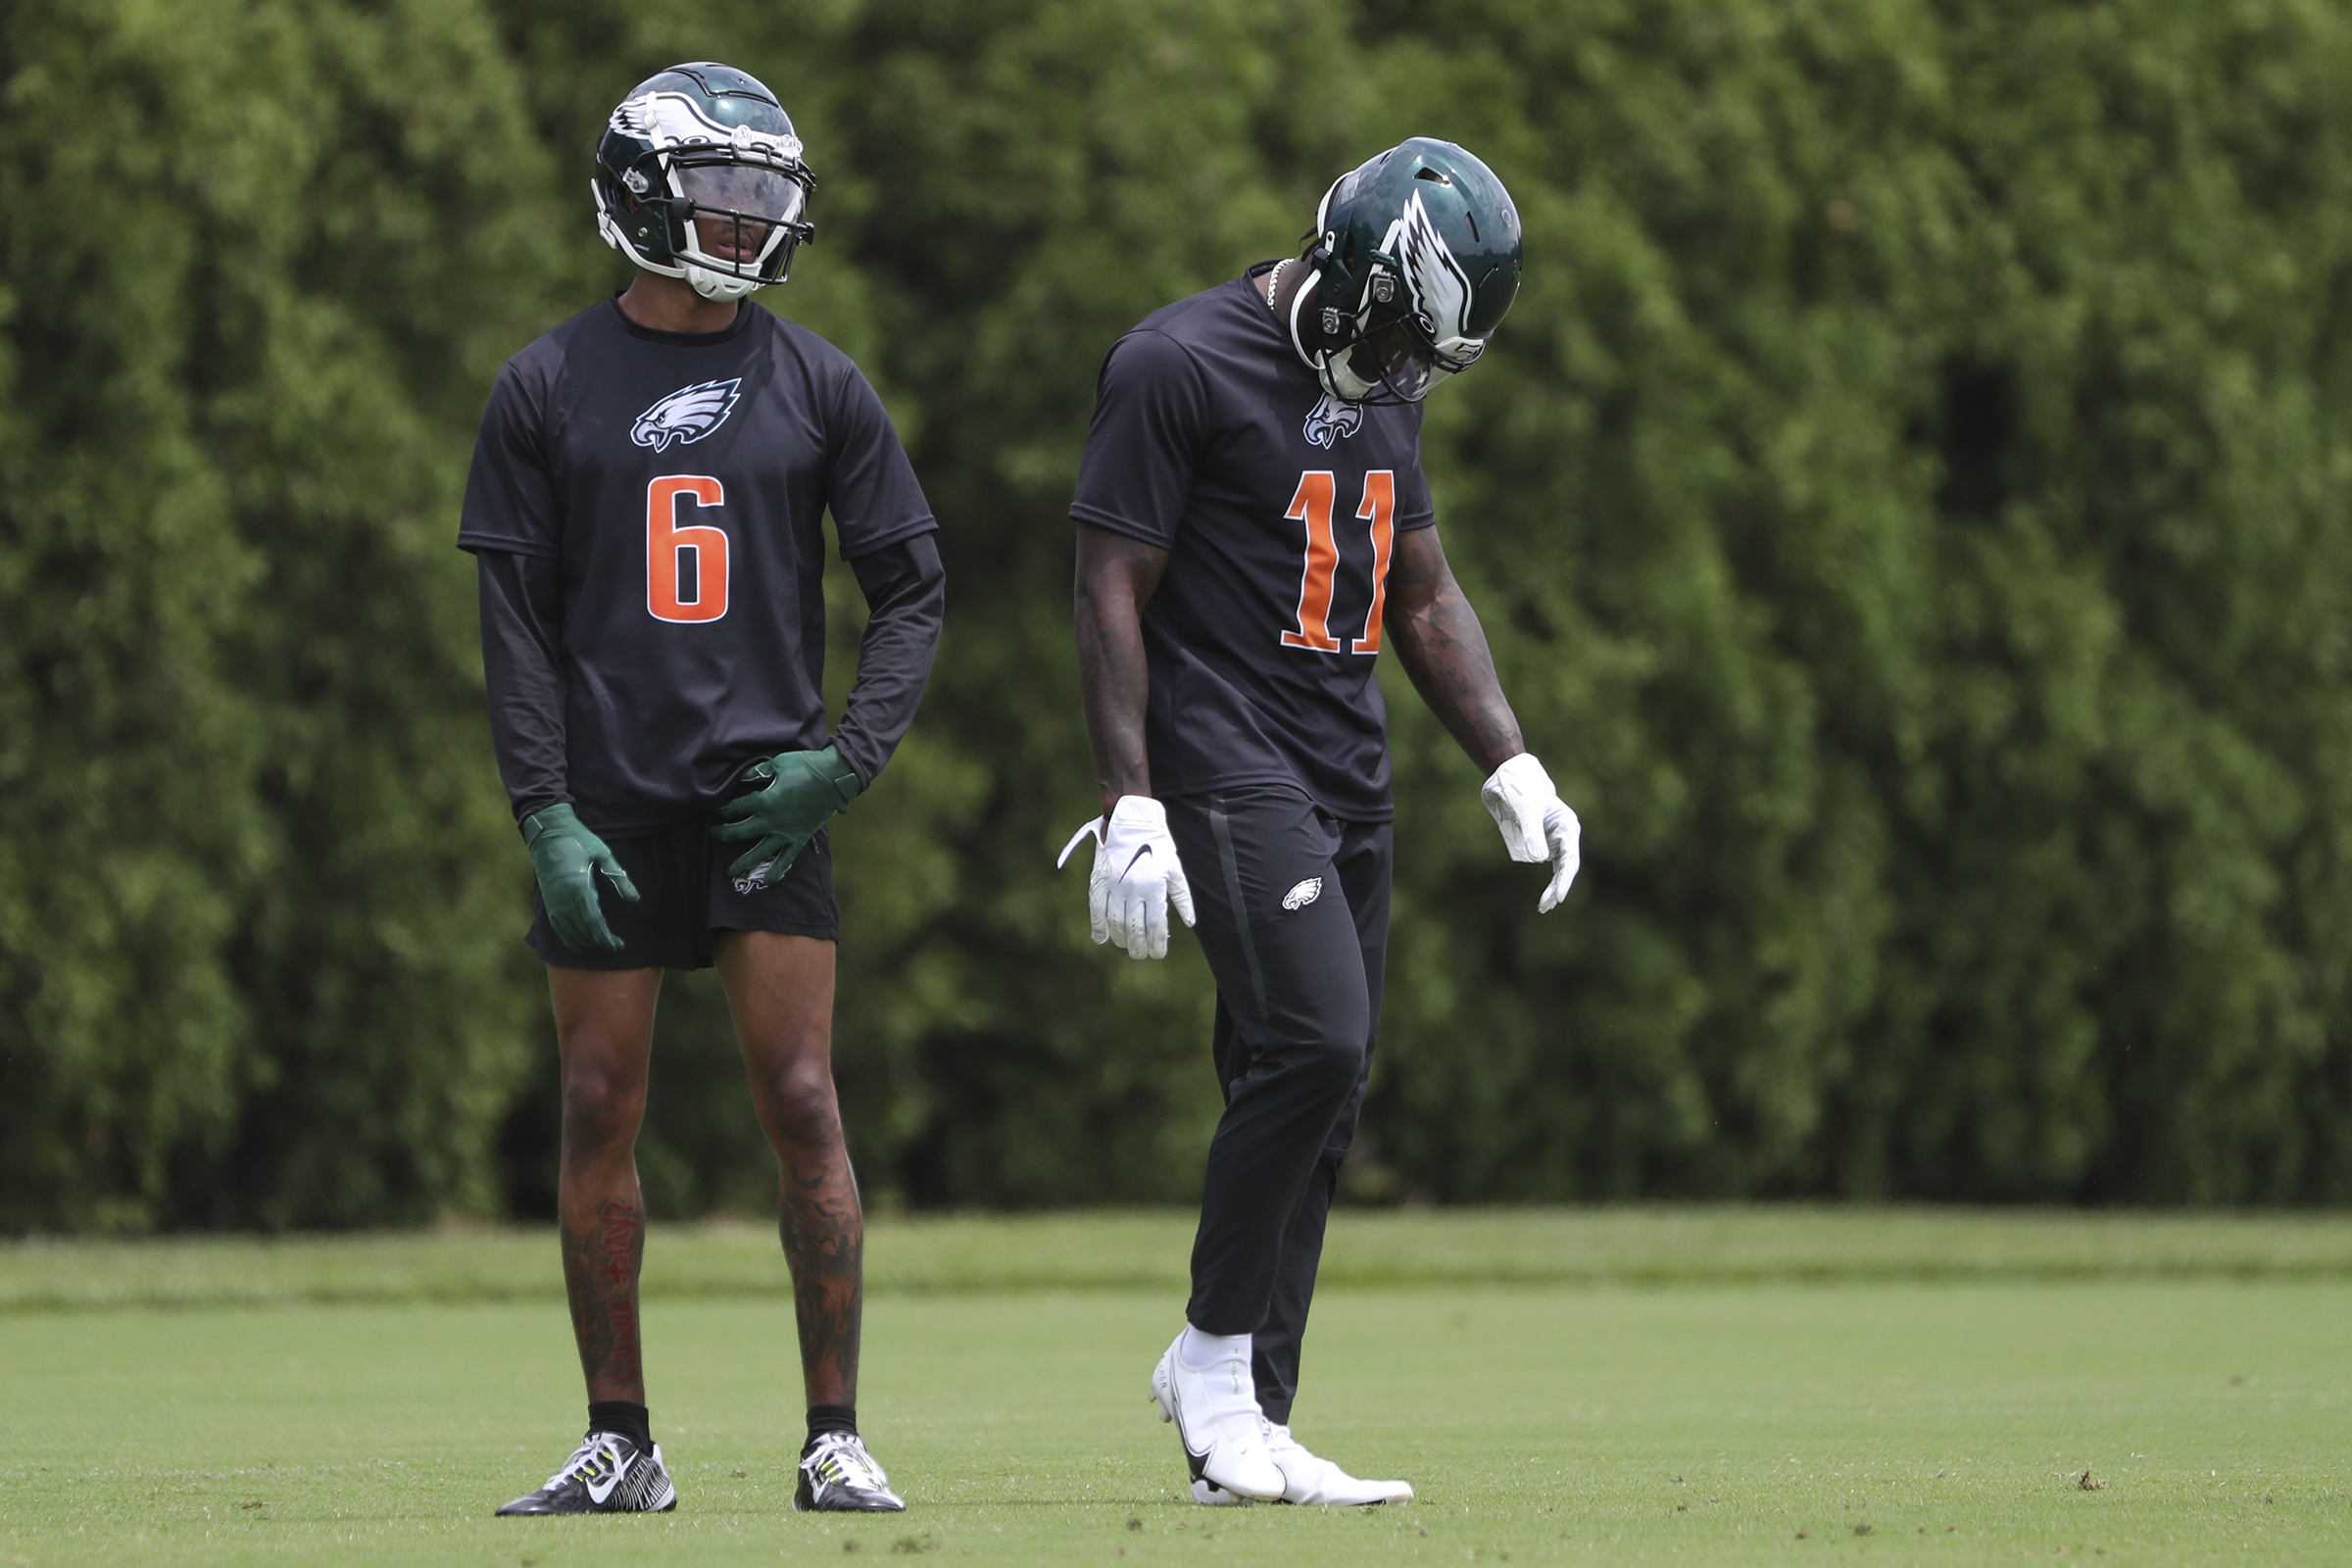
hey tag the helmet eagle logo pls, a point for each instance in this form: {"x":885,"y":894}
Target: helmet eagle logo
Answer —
{"x":671,"y":120}
{"x":686,"y":416}
{"x":1441,"y":288}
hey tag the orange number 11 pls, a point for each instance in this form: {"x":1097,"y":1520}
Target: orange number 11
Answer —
{"x":1312,"y":506}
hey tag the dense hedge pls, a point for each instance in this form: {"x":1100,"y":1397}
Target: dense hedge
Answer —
{"x":259,"y":265}
{"x":1909,"y":503}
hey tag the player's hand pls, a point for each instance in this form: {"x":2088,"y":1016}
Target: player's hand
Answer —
{"x":1136,"y":877}
{"x":1536,"y":824}
{"x":797,"y":793}
{"x":566,"y":857}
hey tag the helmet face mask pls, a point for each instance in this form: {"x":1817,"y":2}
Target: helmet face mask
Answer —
{"x":1416,"y":260}
{"x":1396,"y":356}
{"x":699,"y":177}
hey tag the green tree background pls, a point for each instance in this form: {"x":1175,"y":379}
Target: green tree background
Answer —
{"x":1909,"y":503}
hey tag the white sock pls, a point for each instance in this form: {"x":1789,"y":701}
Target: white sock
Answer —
{"x":1200,"y":1351}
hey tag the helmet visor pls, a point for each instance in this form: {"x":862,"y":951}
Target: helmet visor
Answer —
{"x":752,"y":191}
{"x":745,"y":216}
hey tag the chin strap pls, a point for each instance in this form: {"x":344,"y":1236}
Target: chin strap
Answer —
{"x":1307,"y":285}
{"x":712,"y":285}
{"x":1319,"y":363}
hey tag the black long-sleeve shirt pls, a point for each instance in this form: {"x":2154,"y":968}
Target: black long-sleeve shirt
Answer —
{"x":658,"y":620}
{"x":522,"y":614}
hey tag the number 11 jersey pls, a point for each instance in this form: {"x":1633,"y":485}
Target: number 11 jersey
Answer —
{"x":1279,"y":508}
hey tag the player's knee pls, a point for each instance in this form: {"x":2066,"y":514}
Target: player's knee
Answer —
{"x":600,"y":1107}
{"x":1333,"y":1062}
{"x":797,"y":1102}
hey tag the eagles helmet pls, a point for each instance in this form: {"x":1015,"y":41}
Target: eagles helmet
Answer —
{"x":698,"y":175}
{"x":1415,"y":258}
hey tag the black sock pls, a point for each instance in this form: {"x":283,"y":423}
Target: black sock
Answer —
{"x":824,"y":1418}
{"x":619,"y":1415}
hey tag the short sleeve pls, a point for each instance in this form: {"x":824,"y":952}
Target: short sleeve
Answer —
{"x":1414,"y":508}
{"x":870,"y":486}
{"x":510,"y":495}
{"x":1150,"y":407}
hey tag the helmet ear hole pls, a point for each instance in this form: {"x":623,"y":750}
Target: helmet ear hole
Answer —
{"x":648,"y":229}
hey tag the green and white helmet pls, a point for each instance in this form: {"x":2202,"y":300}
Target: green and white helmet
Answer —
{"x":698,"y":175}
{"x":1415,"y":260}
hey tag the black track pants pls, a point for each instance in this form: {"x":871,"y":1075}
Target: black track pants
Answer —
{"x":1293,"y":917}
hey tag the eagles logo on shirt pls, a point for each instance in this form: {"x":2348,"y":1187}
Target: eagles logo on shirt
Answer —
{"x":1331,"y":418}
{"x":686,"y":416}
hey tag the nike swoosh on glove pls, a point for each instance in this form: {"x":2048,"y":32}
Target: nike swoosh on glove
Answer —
{"x":566,"y":858}
{"x":797,"y":793}
{"x":1536,"y":824}
{"x":1136,"y":877}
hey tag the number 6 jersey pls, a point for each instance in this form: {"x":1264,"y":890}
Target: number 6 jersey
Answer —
{"x":680,"y":483}
{"x":1279,"y":509}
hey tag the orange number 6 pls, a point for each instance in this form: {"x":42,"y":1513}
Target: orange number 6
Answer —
{"x":666,"y":541}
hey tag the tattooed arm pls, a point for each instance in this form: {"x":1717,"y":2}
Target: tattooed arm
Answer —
{"x":1444,"y":651}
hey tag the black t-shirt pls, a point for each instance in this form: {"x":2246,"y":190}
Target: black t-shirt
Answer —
{"x":679,"y":481}
{"x":1278,"y":508}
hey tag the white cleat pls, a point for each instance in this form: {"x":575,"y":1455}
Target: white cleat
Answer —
{"x":1215,"y":1411}
{"x":1308,"y":1477}
{"x":1308,"y":1480}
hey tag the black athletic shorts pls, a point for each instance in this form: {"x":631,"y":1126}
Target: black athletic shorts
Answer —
{"x":687,"y":898}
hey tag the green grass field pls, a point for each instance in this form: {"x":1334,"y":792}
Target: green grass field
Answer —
{"x":1626,"y":1386}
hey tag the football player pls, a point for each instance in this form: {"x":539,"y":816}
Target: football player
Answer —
{"x":1254,"y":528}
{"x":645,"y":506}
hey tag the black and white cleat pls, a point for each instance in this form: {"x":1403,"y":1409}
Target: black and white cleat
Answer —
{"x":608,"y":1474}
{"x":838,"y":1476}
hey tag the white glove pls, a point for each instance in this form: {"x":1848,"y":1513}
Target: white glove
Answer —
{"x":1136,"y":877}
{"x":1536,"y":824}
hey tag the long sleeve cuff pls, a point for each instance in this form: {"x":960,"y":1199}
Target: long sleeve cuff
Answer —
{"x":521,"y":601}
{"x":906,"y":589}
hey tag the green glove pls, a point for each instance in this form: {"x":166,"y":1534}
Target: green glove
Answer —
{"x":799,"y":791}
{"x":568,"y":856}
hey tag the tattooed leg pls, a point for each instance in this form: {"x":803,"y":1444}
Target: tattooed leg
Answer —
{"x":780,"y":989}
{"x":603,"y":1031}
{"x":823,"y":1231}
